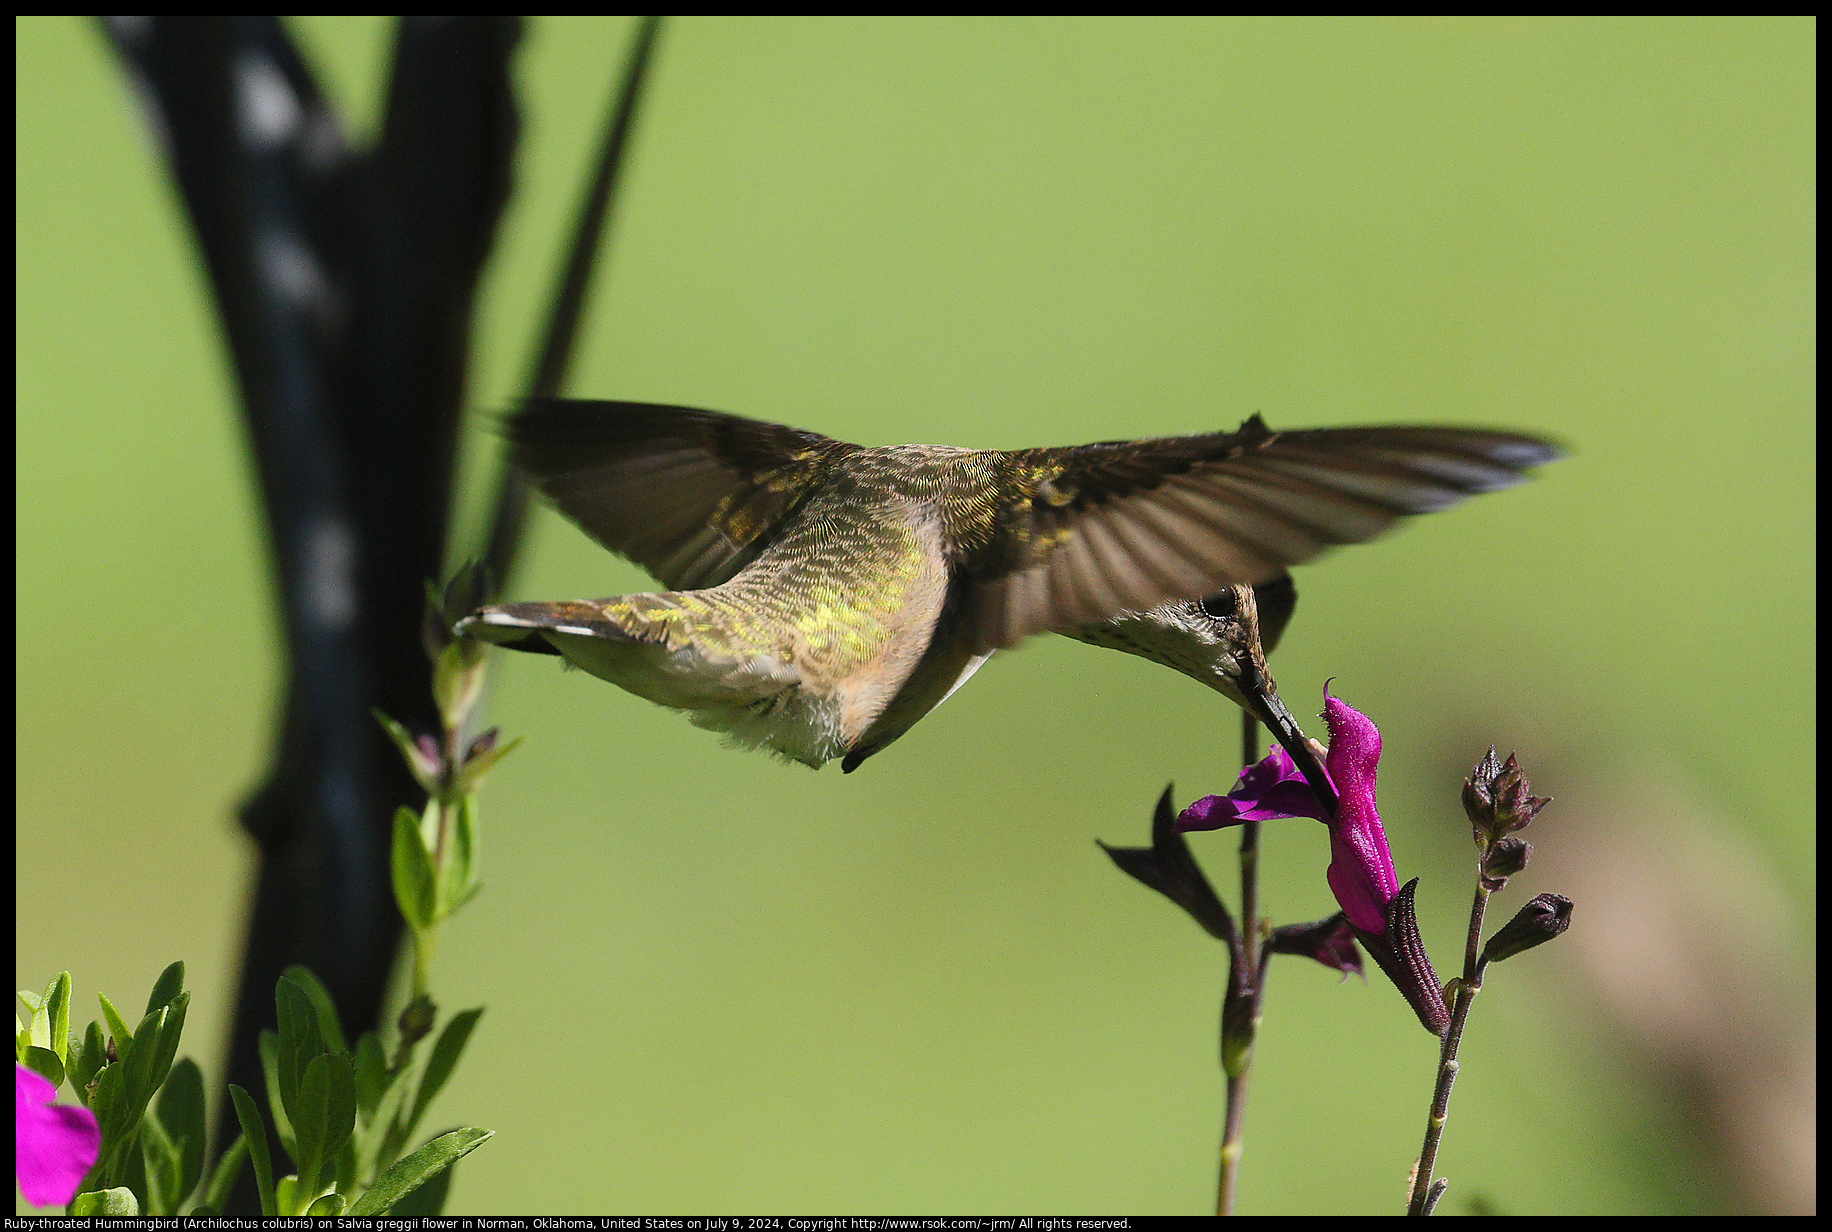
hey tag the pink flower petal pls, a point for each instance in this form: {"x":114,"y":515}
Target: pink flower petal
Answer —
{"x":1361,"y":867}
{"x":55,"y":1145}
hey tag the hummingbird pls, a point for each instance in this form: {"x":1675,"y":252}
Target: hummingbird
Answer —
{"x":822,"y":597}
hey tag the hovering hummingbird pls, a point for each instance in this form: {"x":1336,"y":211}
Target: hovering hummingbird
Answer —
{"x":822,"y":597}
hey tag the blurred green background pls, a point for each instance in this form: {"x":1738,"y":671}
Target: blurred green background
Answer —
{"x":717,"y":982}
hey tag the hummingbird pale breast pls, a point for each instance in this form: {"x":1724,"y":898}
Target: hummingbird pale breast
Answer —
{"x":804,"y":650}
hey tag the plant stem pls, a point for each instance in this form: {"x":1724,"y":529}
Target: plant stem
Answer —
{"x":1448,"y":1065}
{"x":1246,"y":954}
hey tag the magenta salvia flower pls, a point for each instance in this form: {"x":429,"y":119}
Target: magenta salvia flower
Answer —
{"x":1360,"y":868}
{"x":55,"y":1145}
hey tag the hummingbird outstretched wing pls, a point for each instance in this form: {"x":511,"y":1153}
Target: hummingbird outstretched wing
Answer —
{"x":1088,"y":532}
{"x":692,"y":496}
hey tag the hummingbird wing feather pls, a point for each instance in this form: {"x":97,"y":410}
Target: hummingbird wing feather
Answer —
{"x":692,"y":496}
{"x":1093,"y":531}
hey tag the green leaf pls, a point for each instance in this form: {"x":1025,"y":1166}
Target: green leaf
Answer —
{"x":329,"y":1029}
{"x":254,"y":1138}
{"x":428,"y":1199}
{"x":371,"y":1067}
{"x":388,"y":1130}
{"x":349,"y":1165}
{"x":180,"y":1111}
{"x":37,"y":1031}
{"x":429,"y":826}
{"x":118,"y":1201}
{"x":472,"y":776}
{"x":329,"y":1204}
{"x":469,"y":893}
{"x":324,"y":1115}
{"x":418,"y":1168}
{"x":270,"y":1068}
{"x":117,"y":1027}
{"x":222,"y":1178}
{"x":57,"y":1008}
{"x":167,"y":987}
{"x":444,"y":1058}
{"x":137,"y":1063}
{"x":414,"y":888}
{"x":169,"y":1031}
{"x":44,"y":1062}
{"x":90,"y":1056}
{"x":109,"y":1103}
{"x":129,"y":1170}
{"x":160,"y":1169}
{"x":460,"y":858}
{"x":300,"y":1043}
{"x":286,"y":1194}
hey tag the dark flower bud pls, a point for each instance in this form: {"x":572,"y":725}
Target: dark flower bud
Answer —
{"x":416,"y":1021}
{"x":1507,"y":857}
{"x":1331,"y":942}
{"x":1400,"y":952}
{"x":1498,"y":799}
{"x":483,"y":744}
{"x":1538,"y":922}
{"x":1478,"y":796}
{"x":1168,"y":867}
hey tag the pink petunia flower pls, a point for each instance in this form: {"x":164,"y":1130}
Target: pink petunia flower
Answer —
{"x":56,"y":1144}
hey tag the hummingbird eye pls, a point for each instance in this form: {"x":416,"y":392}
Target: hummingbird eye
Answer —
{"x":1222,"y":605}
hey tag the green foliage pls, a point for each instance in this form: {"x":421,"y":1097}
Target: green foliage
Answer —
{"x":343,"y":1114}
{"x":418,"y":1168}
{"x":178,"y":1116}
{"x":117,"y":1201}
{"x":415,"y":884}
{"x":94,"y":1050}
{"x":254,"y":1137}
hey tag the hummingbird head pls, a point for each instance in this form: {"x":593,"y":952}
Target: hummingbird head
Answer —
{"x":1220,"y":640}
{"x":1215,"y":639}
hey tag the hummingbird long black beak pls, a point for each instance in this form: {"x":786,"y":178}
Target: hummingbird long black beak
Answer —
{"x":1217,"y":640}
{"x":822,"y":597}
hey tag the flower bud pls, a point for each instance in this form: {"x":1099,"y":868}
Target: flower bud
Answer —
{"x":1497,"y":798}
{"x":1331,"y":942}
{"x":416,"y":1021}
{"x":1538,"y":922}
{"x":1507,"y":857}
{"x":483,"y":744}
